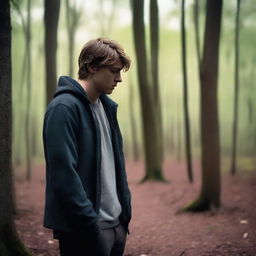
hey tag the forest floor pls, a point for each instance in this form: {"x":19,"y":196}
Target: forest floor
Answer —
{"x":156,"y":227}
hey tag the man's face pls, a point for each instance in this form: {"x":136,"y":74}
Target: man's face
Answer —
{"x":105,"y":79}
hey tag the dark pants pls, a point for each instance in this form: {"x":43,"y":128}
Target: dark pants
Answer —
{"x":112,"y":244}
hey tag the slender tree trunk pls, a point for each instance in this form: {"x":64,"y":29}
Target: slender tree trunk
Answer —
{"x":51,"y":17}
{"x":134,"y":137}
{"x":154,"y":39}
{"x":197,"y":34}
{"x":185,"y":93}
{"x":20,"y":96}
{"x":210,"y":188}
{"x":29,"y":85}
{"x":73,"y":16}
{"x":179,"y":140}
{"x":250,"y":96}
{"x":236,"y":98}
{"x":101,"y":18}
{"x":111,"y":17}
{"x":69,"y":15}
{"x":9,"y":241}
{"x":152,"y":144}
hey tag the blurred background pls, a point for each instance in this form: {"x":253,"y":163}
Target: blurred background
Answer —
{"x":80,"y":21}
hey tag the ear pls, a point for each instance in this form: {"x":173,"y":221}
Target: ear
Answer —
{"x":91,"y":68}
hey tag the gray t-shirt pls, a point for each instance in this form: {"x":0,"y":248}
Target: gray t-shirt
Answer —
{"x":110,"y":208}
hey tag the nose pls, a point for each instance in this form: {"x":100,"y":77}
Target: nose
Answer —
{"x":118,"y":78}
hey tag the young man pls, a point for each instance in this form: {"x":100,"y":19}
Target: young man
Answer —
{"x":88,"y":202}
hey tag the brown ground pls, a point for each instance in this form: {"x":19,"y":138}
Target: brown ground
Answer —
{"x":156,"y":229}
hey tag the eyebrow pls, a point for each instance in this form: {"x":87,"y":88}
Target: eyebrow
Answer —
{"x":117,"y":68}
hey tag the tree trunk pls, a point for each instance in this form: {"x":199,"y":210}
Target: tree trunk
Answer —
{"x":154,"y":39}
{"x":112,"y":16}
{"x":134,"y":137}
{"x":197,"y":34}
{"x":185,"y":93}
{"x":28,"y":102}
{"x":150,"y":124}
{"x":73,"y":16}
{"x":210,"y":188}
{"x":69,"y":17}
{"x":9,"y":241}
{"x":101,"y":18}
{"x":51,"y":17}
{"x":18,"y":136}
{"x":236,"y":95}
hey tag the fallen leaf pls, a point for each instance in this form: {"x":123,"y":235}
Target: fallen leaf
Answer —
{"x":245,"y":235}
{"x":50,"y":242}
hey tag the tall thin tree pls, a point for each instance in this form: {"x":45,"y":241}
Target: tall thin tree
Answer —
{"x":236,"y":93}
{"x":134,"y":139}
{"x":210,"y":139}
{"x":154,"y":50}
{"x":51,"y":18}
{"x":29,"y":85}
{"x":196,"y":12}
{"x":73,"y":16}
{"x":152,"y":145}
{"x":185,"y":93}
{"x":10,"y":243}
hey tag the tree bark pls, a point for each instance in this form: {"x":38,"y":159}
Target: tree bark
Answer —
{"x":112,"y":16}
{"x":210,"y":188}
{"x":197,"y":34}
{"x":154,"y":39}
{"x":134,"y":137}
{"x":185,"y":94}
{"x":236,"y":94}
{"x":73,"y":16}
{"x":9,"y":241}
{"x":28,"y":101}
{"x":152,"y":144}
{"x":51,"y":17}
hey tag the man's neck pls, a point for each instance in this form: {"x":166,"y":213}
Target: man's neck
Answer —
{"x":93,"y":96}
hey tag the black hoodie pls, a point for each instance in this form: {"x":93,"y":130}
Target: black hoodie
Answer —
{"x":72,"y":151}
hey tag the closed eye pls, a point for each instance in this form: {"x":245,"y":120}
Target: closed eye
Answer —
{"x":115,"y":71}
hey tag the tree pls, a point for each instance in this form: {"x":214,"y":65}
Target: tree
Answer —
{"x":197,"y":33}
{"x":134,"y":139}
{"x":185,"y":93}
{"x":19,"y":97}
{"x":152,"y":145}
{"x":106,"y":18}
{"x":154,"y":50}
{"x":51,"y":18}
{"x":9,"y":241}
{"x":29,"y":85}
{"x":210,"y":188}
{"x":236,"y":98}
{"x":73,"y":17}
{"x":26,"y":75}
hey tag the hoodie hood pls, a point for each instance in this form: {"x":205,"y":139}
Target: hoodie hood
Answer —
{"x":67,"y":84}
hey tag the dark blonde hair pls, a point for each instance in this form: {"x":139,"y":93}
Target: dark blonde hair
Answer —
{"x":101,"y":52}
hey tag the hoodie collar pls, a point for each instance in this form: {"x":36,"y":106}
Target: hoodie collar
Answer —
{"x":67,"y":84}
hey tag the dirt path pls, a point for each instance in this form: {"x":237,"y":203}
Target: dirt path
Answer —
{"x":156,"y":228}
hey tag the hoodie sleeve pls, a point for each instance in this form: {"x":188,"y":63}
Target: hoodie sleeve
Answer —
{"x":60,"y":144}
